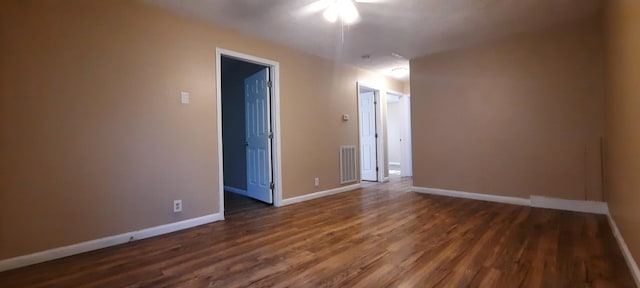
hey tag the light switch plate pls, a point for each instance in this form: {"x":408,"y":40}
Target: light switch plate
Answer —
{"x":184,"y":97}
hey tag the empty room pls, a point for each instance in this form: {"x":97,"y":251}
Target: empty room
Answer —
{"x":319,"y":143}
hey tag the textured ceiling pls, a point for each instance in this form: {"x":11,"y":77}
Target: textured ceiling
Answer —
{"x":409,"y":28}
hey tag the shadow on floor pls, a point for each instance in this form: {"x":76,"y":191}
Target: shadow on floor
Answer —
{"x":236,"y":203}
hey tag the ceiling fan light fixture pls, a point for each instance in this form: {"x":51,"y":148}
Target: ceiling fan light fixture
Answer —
{"x":400,"y":72}
{"x":344,"y":10}
{"x":331,"y":13}
{"x":348,"y":12}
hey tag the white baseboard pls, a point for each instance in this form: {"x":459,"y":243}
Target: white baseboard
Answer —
{"x":633,"y":266}
{"x":385,"y":180}
{"x":319,"y":194}
{"x":394,"y":163}
{"x":570,"y":205}
{"x":235,"y":190}
{"x":533,"y":201}
{"x":47,"y":255}
{"x":474,"y":196}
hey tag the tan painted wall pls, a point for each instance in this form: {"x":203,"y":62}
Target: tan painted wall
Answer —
{"x":94,"y":140}
{"x":622,"y":159}
{"x":406,"y":89}
{"x":516,"y":117}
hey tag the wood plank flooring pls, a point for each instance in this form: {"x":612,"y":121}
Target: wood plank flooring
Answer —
{"x":378,"y":236}
{"x":236,"y":204}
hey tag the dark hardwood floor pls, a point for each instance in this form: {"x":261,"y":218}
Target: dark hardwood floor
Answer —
{"x":378,"y":236}
{"x":236,"y":204}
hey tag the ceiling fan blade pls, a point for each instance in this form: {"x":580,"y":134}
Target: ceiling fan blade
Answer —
{"x":371,"y":1}
{"x":314,"y":7}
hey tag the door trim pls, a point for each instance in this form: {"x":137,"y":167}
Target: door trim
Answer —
{"x":406,"y":159}
{"x":274,"y":76}
{"x":377,"y":96}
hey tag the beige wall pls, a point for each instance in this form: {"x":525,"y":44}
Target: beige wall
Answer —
{"x":95,"y":141}
{"x":622,"y":159}
{"x":516,"y":117}
{"x":406,"y":88}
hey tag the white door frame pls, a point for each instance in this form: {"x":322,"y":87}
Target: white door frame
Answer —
{"x":274,"y":71}
{"x":377,"y":95}
{"x":406,"y":158}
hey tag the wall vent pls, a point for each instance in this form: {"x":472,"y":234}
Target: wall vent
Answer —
{"x":348,"y":164}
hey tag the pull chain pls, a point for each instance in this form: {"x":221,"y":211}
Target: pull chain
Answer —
{"x":342,"y":29}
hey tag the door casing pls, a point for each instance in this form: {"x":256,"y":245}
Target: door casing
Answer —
{"x":406,"y":163}
{"x":361,"y":86}
{"x":274,"y":76}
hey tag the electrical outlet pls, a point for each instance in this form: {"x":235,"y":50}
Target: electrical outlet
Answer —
{"x":317,"y":182}
{"x":177,"y":206}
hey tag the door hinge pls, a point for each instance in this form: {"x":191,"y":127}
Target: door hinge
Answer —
{"x":270,"y":134}
{"x":376,"y":135}
{"x":376,"y":169}
{"x":272,"y":185}
{"x":269,"y":84}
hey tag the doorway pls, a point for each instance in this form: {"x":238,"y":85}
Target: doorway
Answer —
{"x":369,"y":123}
{"x":248,"y":131}
{"x":399,"y":134}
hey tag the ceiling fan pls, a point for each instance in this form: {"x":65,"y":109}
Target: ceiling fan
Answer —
{"x":333,"y":10}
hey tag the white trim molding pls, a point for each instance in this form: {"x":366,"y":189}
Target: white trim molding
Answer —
{"x":60,"y":252}
{"x":235,"y":190}
{"x":378,"y":93}
{"x":533,"y":201}
{"x":274,"y":70}
{"x":633,"y":265}
{"x":570,"y":205}
{"x":474,"y":196}
{"x":319,"y":194}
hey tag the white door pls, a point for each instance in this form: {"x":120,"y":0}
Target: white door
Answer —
{"x":258,"y":141}
{"x":368,"y":153}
